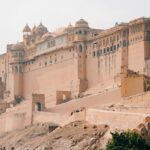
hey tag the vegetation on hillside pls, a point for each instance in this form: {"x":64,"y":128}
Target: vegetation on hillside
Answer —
{"x":127,"y":140}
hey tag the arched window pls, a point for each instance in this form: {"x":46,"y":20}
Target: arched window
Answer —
{"x":38,"y":106}
{"x":64,"y":97}
{"x":124,"y":43}
{"x":20,"y":69}
{"x":94,"y":54}
{"x":114,"y":47}
{"x":117,"y":46}
{"x":80,"y":32}
{"x":80,"y":48}
{"x":148,"y":88}
{"x":104,"y":51}
{"x":16,"y":69}
{"x":108,"y":49}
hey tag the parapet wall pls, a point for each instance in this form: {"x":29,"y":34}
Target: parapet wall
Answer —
{"x":43,"y":117}
{"x":120,"y":120}
{"x":116,"y":120}
{"x":10,"y":121}
{"x":16,"y":117}
{"x":20,"y":116}
{"x":141,"y":97}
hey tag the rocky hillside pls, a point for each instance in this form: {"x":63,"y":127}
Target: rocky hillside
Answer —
{"x":74,"y":136}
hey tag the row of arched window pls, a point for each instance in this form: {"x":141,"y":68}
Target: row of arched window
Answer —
{"x":136,"y":38}
{"x":82,"y":32}
{"x":46,"y":61}
{"x":17,"y":69}
{"x":111,"y":49}
{"x":106,"y":41}
{"x":18,"y":54}
{"x":136,"y":28}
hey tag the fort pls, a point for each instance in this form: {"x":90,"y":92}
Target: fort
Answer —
{"x":73,"y":73}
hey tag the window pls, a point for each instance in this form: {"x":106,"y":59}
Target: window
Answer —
{"x":117,"y":46}
{"x":120,"y":44}
{"x":111,"y":48}
{"x":16,"y":69}
{"x":117,"y":37}
{"x":95,"y":45}
{"x":48,"y":44}
{"x":104,"y":51}
{"x":94,"y":54}
{"x":45,"y":63}
{"x":20,"y":54}
{"x":20,"y":69}
{"x":110,"y":39}
{"x":97,"y":53}
{"x":107,"y":41}
{"x":100,"y":43}
{"x":95,"y":34}
{"x":80,"y":48}
{"x":80,"y":32}
{"x":100,"y":52}
{"x":124,"y":43}
{"x":114,"y":38}
{"x":124,"y":33}
{"x":103,"y":42}
{"x":108,"y":49}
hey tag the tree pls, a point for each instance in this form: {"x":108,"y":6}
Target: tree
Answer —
{"x":127,"y":140}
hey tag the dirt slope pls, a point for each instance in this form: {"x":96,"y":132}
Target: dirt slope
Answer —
{"x":74,"y":136}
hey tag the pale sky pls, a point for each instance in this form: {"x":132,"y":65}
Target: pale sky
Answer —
{"x":14,"y":14}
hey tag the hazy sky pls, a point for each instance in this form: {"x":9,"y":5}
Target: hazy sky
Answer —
{"x":14,"y":14}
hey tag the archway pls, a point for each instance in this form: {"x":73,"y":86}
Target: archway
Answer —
{"x":148,"y":88}
{"x":38,"y":106}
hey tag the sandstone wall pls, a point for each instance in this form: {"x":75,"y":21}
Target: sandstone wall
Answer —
{"x":120,"y":120}
{"x":136,"y":57}
{"x":48,"y":80}
{"x":16,"y":117}
{"x":103,"y":70}
{"x":42,"y":117}
{"x":138,"y":98}
{"x":132,"y":85}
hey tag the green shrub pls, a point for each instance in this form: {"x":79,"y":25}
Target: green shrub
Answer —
{"x":127,"y":140}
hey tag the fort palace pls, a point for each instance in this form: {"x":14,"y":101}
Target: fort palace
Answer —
{"x":46,"y":69}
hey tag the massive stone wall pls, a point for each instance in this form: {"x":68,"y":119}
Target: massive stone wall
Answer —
{"x":48,"y":80}
{"x":116,"y":120}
